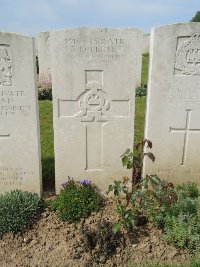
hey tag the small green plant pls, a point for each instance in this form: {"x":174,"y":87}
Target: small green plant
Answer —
{"x":195,"y":262}
{"x":18,"y":210}
{"x":77,"y":200}
{"x":141,"y":201}
{"x":176,"y":210}
{"x":44,"y":93}
{"x":127,"y":212}
{"x":141,"y":91}
{"x":181,"y":224}
{"x":182,"y":230}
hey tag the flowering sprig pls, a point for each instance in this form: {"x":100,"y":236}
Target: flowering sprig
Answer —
{"x":84,"y":182}
{"x":64,"y":184}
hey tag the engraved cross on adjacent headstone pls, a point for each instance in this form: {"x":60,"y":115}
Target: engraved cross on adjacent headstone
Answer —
{"x":94,"y":109}
{"x":186,"y":130}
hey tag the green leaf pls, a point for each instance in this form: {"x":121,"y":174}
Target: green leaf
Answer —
{"x":127,"y":217}
{"x":117,"y":183}
{"x":150,"y":155}
{"x":125,"y":190}
{"x":126,"y":152}
{"x":130,"y":165}
{"x":136,"y":158}
{"x":149,"y":192}
{"x":121,"y":209}
{"x":116,"y":227}
{"x":117,"y":191}
{"x":125,"y":160}
{"x":149,"y":143}
{"x":145,"y":182}
{"x":154,"y":179}
{"x":110,"y":188}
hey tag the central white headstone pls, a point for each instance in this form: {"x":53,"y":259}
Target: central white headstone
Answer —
{"x":173,"y":108}
{"x":20,"y":161}
{"x":94,"y":75}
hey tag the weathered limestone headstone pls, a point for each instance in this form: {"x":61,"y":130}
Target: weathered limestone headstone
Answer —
{"x":146,"y":43}
{"x":44,"y":58}
{"x":94,"y":75}
{"x":36,"y":46}
{"x":20,"y":162}
{"x":173,"y":108}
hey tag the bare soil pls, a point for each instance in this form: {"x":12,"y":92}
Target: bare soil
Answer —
{"x":53,"y":243}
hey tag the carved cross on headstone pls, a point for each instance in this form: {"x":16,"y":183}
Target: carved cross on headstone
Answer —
{"x":4,"y":135}
{"x":94,"y":109}
{"x":186,"y":131}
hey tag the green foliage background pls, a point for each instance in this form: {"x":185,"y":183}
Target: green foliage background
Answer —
{"x":196,"y":18}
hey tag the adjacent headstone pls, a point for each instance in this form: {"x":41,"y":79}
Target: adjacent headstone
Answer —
{"x":173,"y":106}
{"x":36,"y":46}
{"x":44,"y":58}
{"x":94,"y":75}
{"x":146,"y":43}
{"x":20,"y":162}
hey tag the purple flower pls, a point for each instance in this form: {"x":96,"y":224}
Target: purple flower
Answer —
{"x":85,"y":182}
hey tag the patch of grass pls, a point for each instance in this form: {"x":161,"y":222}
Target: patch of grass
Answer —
{"x":145,"y":63}
{"x":47,"y":147}
{"x":140,"y":107}
{"x":140,"y":103}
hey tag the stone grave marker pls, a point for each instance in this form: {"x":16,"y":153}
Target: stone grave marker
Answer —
{"x":146,"y":43}
{"x":36,"y":46}
{"x":94,"y":75}
{"x":173,"y":106}
{"x":20,"y":161}
{"x":44,"y":58}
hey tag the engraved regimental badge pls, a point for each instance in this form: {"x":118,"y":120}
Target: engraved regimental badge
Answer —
{"x":93,"y":103}
{"x":187,"y":60}
{"x":5,"y":67}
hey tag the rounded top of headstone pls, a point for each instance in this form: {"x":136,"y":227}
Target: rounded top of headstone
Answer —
{"x":41,"y":34}
{"x":15,"y":34}
{"x":177,"y":26}
{"x":103,"y":29}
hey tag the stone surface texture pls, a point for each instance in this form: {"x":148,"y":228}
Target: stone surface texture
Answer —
{"x":44,"y":58}
{"x":173,"y":105}
{"x":36,"y":46}
{"x":20,"y":160}
{"x":94,"y":75}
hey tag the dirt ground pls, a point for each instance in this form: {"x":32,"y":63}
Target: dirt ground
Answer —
{"x":52,"y":243}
